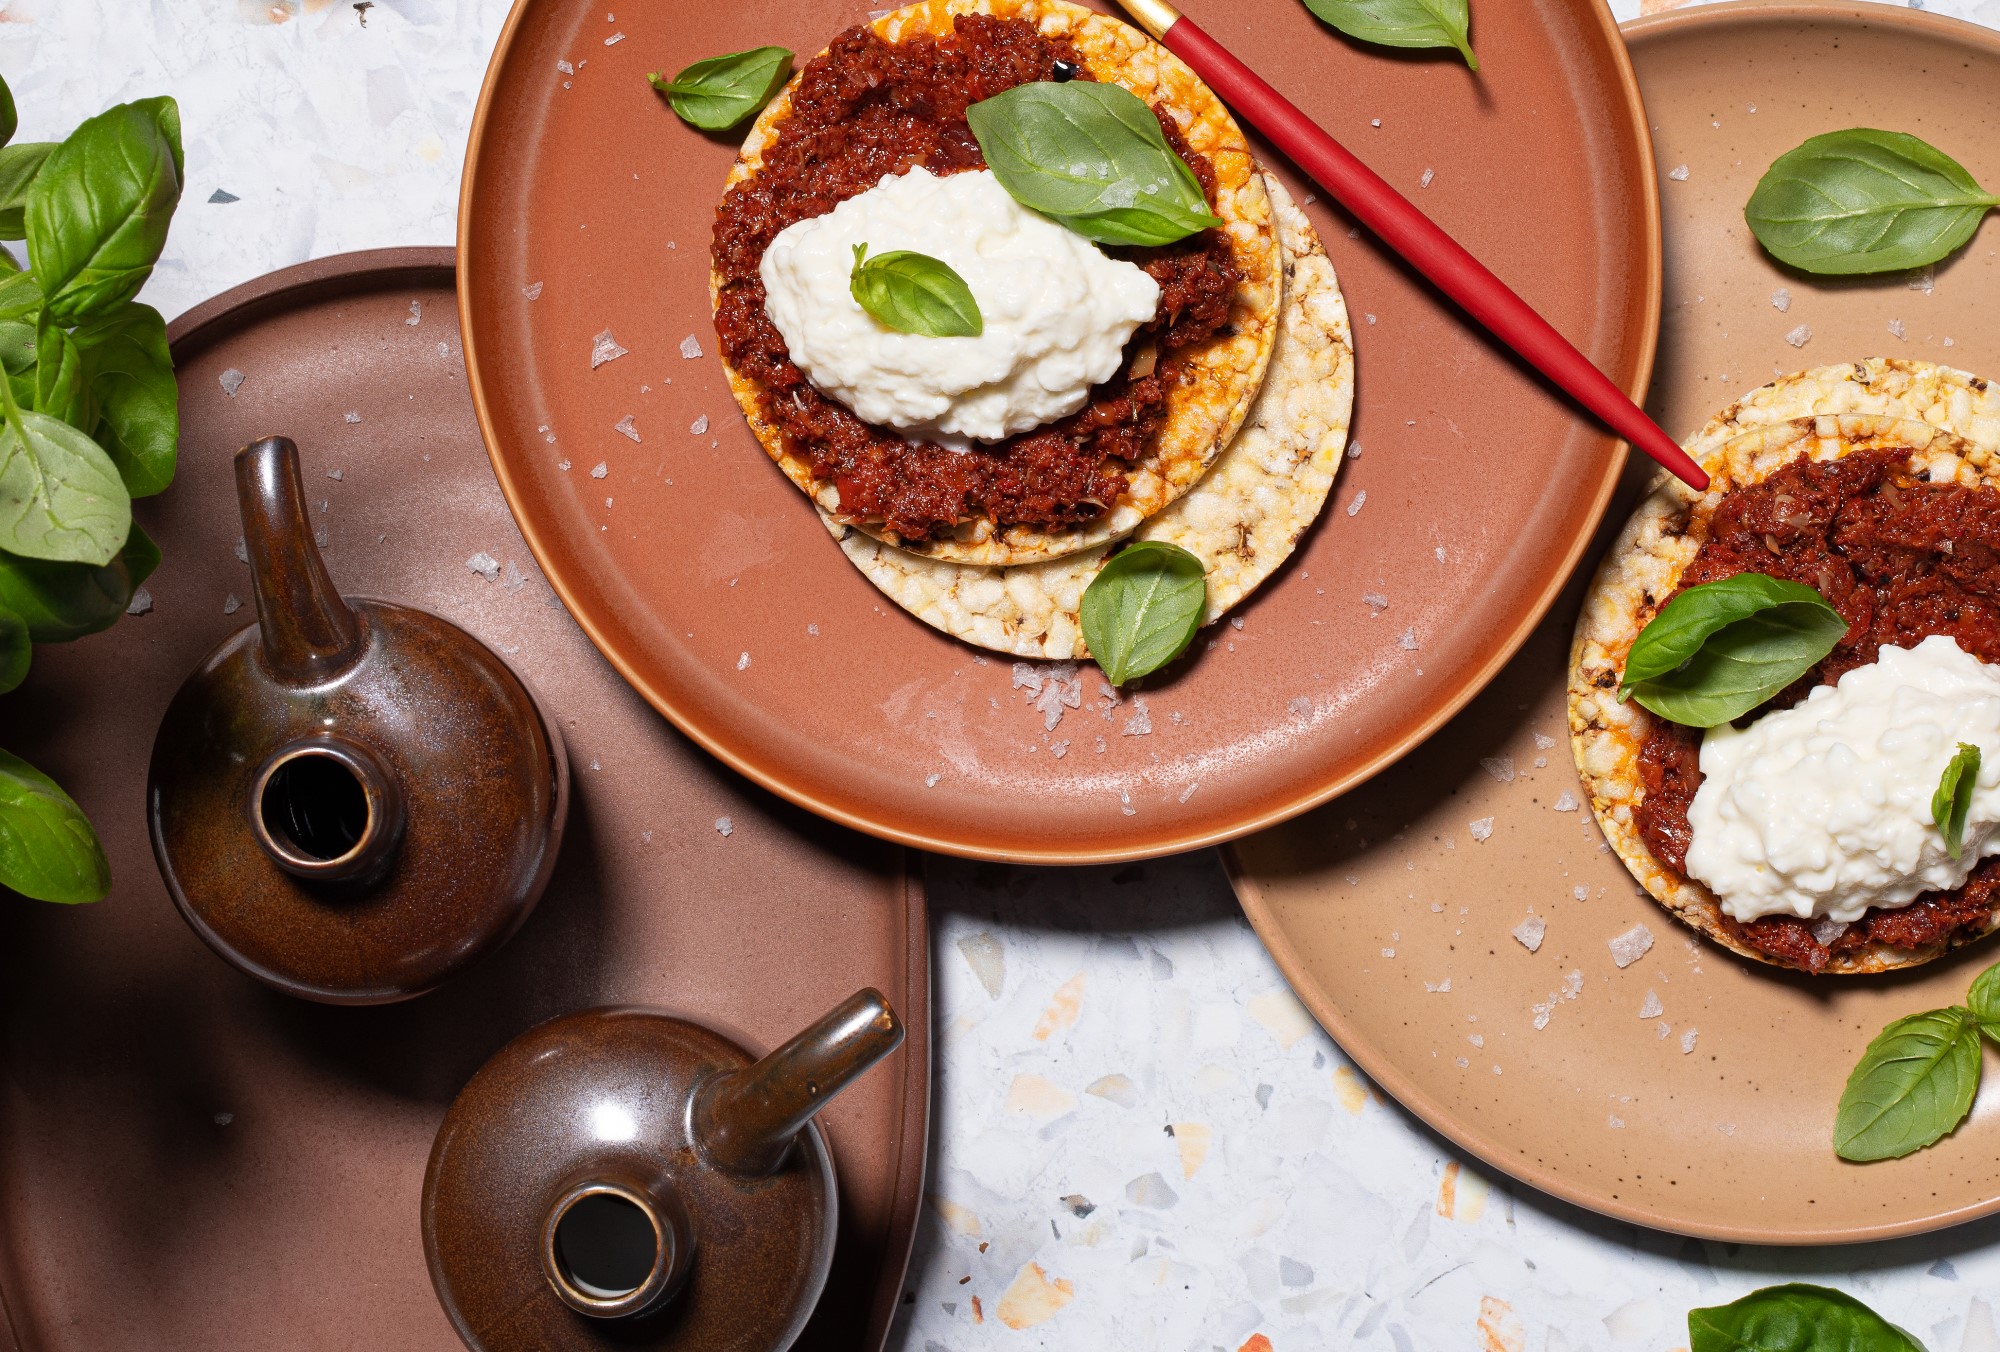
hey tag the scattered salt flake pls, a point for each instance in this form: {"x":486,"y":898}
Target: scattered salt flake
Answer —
{"x":231,"y":604}
{"x":1948,"y":342}
{"x":1632,"y":945}
{"x":353,"y":417}
{"x":1530,"y":932}
{"x":1125,"y":803}
{"x":1141,"y":722}
{"x":931,"y":780}
{"x":1300,"y":705}
{"x":565,"y":67}
{"x":335,"y":475}
{"x":625,"y":427}
{"x":1481,"y":829}
{"x":1500,"y":767}
{"x":1235,"y":622}
{"x":1388,"y":952}
{"x":1059,"y":749}
{"x":1438,"y":553}
{"x":1924,"y":281}
{"x":1572,"y":984}
{"x":1375,"y":600}
{"x":242,"y":550}
{"x":1580,"y":893}
{"x":1615,"y":1123}
{"x":1896,"y":330}
{"x":231,"y":381}
{"x":532,"y":292}
{"x":416,"y":314}
{"x":743,"y":662}
{"x":1565,"y":802}
{"x":690,"y":349}
{"x":699,"y":426}
{"x":1687,"y":1042}
{"x":723,"y":826}
{"x":1799,"y":336}
{"x":1781,"y":300}
{"x":444,"y":348}
{"x":1408,"y":642}
{"x":1826,"y":929}
{"x":1189,"y":791}
{"x":1543,"y":741}
{"x":604,"y":348}
{"x":1543,"y":1012}
{"x":142,"y":601}
{"x":1374,"y":121}
{"x":614,"y":39}
{"x":1424,"y":181}
{"x":1652,"y":1008}
{"x":1666,"y":1029}
{"x":1679,"y":173}
{"x":1438,"y":988}
{"x":485,"y":565}
{"x":1356,"y":505}
{"x":599,"y":470}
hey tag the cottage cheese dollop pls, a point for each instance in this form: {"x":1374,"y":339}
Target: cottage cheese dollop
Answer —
{"x":1057,"y":313}
{"x":1824,"y":809}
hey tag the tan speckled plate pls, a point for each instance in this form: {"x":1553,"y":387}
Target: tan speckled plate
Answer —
{"x":1726,"y":1136}
{"x":705,"y":578}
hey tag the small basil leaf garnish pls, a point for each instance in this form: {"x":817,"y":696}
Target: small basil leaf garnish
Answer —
{"x":1717,"y":651}
{"x":60,"y":495}
{"x":1913,"y":1086}
{"x":130,"y":377}
{"x":59,"y":387}
{"x":1142,"y":609}
{"x":47,"y":849}
{"x":1402,"y":23}
{"x":1953,"y":799}
{"x":16,"y":647}
{"x":1863,"y":200}
{"x":1091,"y":156}
{"x":721,"y":91}
{"x":914,"y":293}
{"x":1984,"y":1001}
{"x":18,"y":167}
{"x":63,"y":601}
{"x":1795,"y":1317}
{"x":98,"y":211}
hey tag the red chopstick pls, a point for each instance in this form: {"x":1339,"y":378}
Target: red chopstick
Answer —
{"x":1413,"y":235}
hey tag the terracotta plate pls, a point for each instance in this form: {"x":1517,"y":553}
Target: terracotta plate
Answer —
{"x":1714,"y":1116}
{"x":188,"y":1159}
{"x":705,"y":578}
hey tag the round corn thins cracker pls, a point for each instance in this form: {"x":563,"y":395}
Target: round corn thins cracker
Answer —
{"x":1951,"y":422}
{"x":1218,"y":380}
{"x":1242,"y":520}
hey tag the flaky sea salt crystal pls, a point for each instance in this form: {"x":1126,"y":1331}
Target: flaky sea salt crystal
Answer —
{"x":1896,"y":330}
{"x":690,"y":349}
{"x":1781,"y":300}
{"x":1799,"y":336}
{"x":335,"y":474}
{"x":1359,"y":500}
{"x":1408,"y":642}
{"x":604,"y":348}
{"x":625,"y":427}
{"x":1375,"y":600}
{"x":1543,"y":741}
{"x":1425,"y":180}
{"x":1652,"y":1008}
{"x":231,"y":381}
{"x":1481,"y":829}
{"x":1141,"y":722}
{"x":1687,"y":1042}
{"x":1572,"y":984}
{"x":1615,"y":1122}
{"x":599,"y":470}
{"x":416,"y":314}
{"x":142,"y":601}
{"x":1679,"y":173}
{"x":743,"y":661}
{"x":565,"y":67}
{"x":614,"y":39}
{"x":1438,"y":988}
{"x":1826,"y":929}
{"x":1125,"y":803}
{"x":533,"y":291}
{"x":352,"y":417}
{"x":485,"y":565}
{"x":1565,"y":802}
{"x":1924,"y":281}
{"x":1189,"y":791}
{"x":931,"y":780}
{"x":231,"y":604}
{"x":1026,"y":677}
{"x":1543,"y":1012}
{"x":1530,"y":932}
{"x":1500,"y":767}
{"x":1580,"y":893}
{"x":1631,"y":946}
{"x":699,"y":426}
{"x":723,"y":826}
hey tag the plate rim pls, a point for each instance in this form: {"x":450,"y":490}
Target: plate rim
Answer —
{"x":1635,"y":382}
{"x":1438,"y":1117}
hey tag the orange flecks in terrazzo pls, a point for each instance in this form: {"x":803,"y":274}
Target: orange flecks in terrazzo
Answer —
{"x":1063,"y":1008}
{"x":959,"y":1219}
{"x":1499,"y":1327}
{"x":1117,"y":1089}
{"x":1193,"y":1139}
{"x":1035,"y":1097}
{"x":1349,"y":1089}
{"x":978,"y":1315}
{"x":1282,"y":1015}
{"x":1461,"y":1194}
{"x":1256,"y":1342}
{"x":1032,"y":1298}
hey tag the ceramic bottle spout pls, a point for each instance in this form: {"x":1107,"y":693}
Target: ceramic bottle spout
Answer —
{"x":310,"y":635}
{"x":744,"y":1120}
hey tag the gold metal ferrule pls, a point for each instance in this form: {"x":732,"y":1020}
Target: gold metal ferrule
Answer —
{"x":1155,"y":16}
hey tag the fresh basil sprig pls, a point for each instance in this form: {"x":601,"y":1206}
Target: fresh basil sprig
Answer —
{"x":18,"y":167}
{"x":1092,"y":157}
{"x":914,"y":293}
{"x":1862,"y":200}
{"x":47,"y":849}
{"x":1402,"y":23}
{"x":1795,"y":1317}
{"x":721,"y":91}
{"x":1912,"y":1087}
{"x":1142,"y":609}
{"x":1953,"y":799}
{"x":1717,"y":651}
{"x":1984,"y":1001}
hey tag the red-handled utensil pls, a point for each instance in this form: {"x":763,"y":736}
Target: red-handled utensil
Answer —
{"x":1413,"y":235}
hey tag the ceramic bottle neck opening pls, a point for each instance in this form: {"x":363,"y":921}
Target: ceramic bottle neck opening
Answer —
{"x":326,"y":809}
{"x":615,"y":1248}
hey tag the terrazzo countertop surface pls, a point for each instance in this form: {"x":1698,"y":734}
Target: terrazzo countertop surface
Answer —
{"x":1141,"y":1139}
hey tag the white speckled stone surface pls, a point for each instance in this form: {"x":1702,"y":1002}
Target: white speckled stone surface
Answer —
{"x":1141,"y":1139}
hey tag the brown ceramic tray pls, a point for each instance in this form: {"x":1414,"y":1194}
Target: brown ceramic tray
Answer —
{"x":1731,"y":1140}
{"x":583,"y":191}
{"x":190,"y":1160}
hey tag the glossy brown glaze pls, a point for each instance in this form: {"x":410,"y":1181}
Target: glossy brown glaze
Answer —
{"x":463,"y":783}
{"x":718,"y":1153}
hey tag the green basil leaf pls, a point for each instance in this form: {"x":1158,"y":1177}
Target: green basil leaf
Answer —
{"x":1091,"y":156}
{"x":914,"y":293}
{"x":1984,"y":1001}
{"x":64,"y":601}
{"x":98,"y":211}
{"x":1913,"y":1086}
{"x":17,"y":349}
{"x":60,"y":495}
{"x":47,"y":849}
{"x":1865,"y":201}
{"x":723,"y":90}
{"x":1142,"y":609}
{"x":59,"y":387}
{"x":1717,"y":651}
{"x":18,"y":167}
{"x":130,"y":375}
{"x":16,"y":646}
{"x":1795,"y":1317}
{"x":1953,"y":799}
{"x":20,"y":295}
{"x":1402,"y":23}
{"x":10,"y":121}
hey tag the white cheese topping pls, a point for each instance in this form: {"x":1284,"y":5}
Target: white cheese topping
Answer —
{"x":1057,"y":313}
{"x":1824,"y":809}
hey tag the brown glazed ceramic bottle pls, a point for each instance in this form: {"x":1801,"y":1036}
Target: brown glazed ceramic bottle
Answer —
{"x":622,"y":1179}
{"x":350,"y":799}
